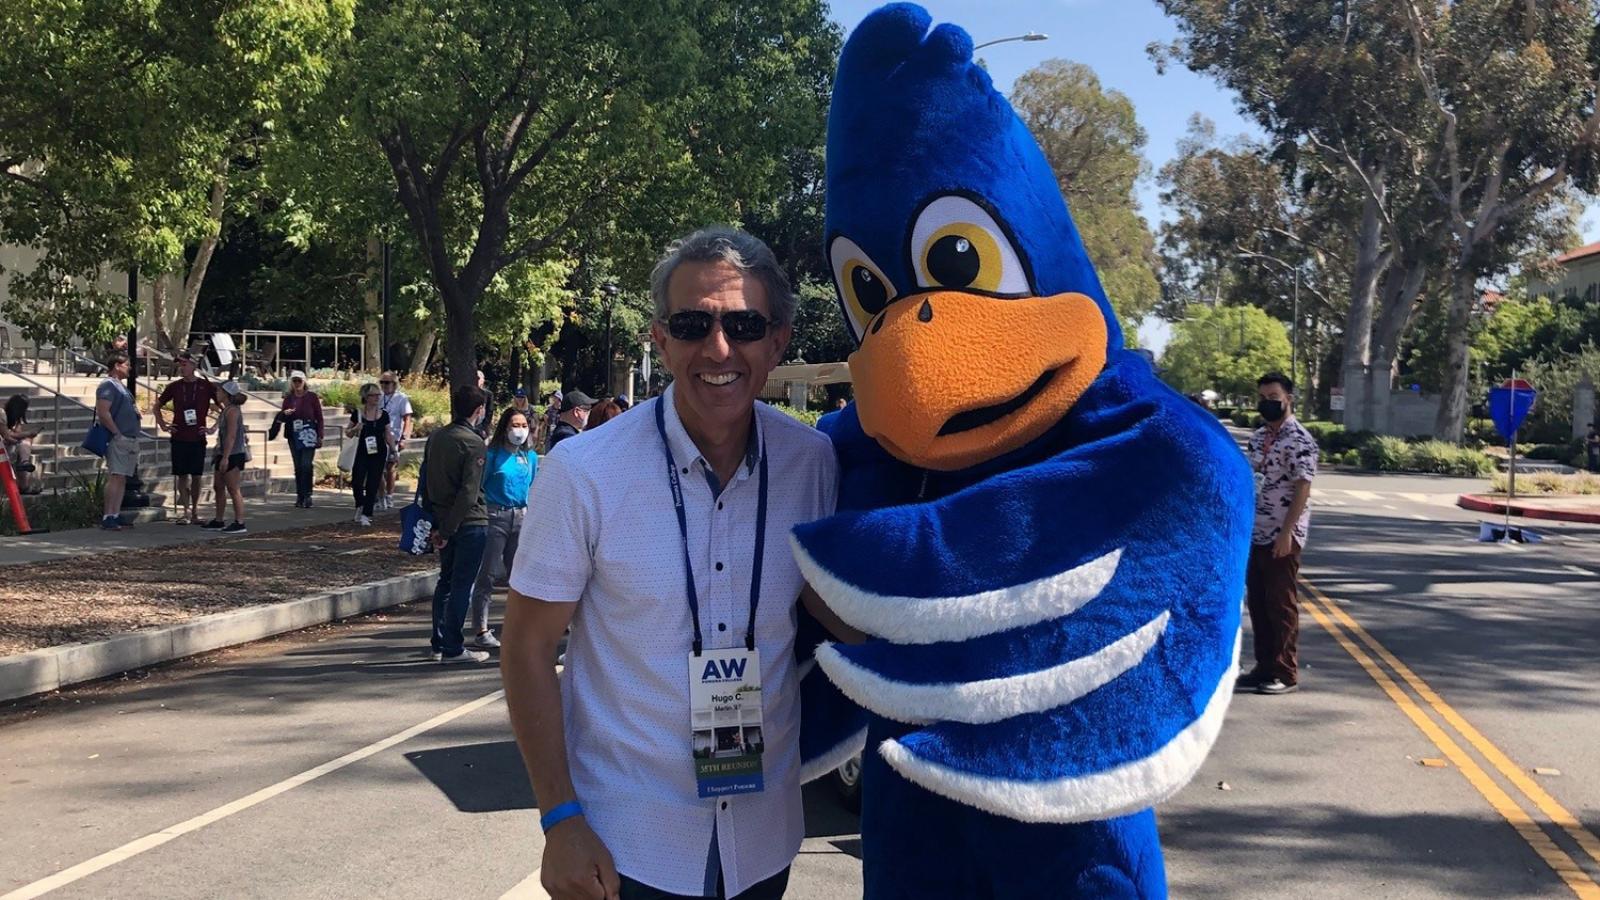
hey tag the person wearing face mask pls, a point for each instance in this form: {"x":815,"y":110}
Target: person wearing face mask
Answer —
{"x":507,"y":474}
{"x":453,"y":465}
{"x":1284,"y":456}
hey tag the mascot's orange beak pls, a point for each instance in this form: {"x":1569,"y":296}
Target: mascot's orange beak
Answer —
{"x":945,"y":380}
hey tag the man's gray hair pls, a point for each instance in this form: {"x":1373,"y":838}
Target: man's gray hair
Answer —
{"x":743,"y":250}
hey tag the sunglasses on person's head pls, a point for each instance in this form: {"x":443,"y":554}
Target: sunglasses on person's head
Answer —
{"x":741,"y":325}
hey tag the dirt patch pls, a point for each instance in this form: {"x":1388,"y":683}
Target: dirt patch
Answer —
{"x":70,"y":601}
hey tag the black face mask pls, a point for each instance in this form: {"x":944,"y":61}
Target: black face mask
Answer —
{"x":1271,"y":410}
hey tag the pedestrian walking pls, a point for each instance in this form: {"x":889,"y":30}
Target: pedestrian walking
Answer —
{"x":191,"y":398}
{"x":300,"y":420}
{"x":519,"y":402}
{"x":454,"y":461}
{"x":507,"y":474}
{"x":228,"y":460}
{"x":548,"y":422}
{"x":398,"y":406}
{"x":575,"y":406}
{"x":1284,"y":456}
{"x":116,"y":411}
{"x":620,"y":749}
{"x":483,"y":426}
{"x":375,"y":444}
{"x":17,"y":434}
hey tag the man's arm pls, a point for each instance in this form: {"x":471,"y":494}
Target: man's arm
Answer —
{"x":1302,"y":496}
{"x":463,"y":481}
{"x":576,"y":863}
{"x":161,"y":401}
{"x":829,"y":619}
{"x":102,"y":414}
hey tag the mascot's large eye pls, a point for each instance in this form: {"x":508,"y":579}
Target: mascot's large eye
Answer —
{"x":861,"y":284}
{"x":957,"y":244}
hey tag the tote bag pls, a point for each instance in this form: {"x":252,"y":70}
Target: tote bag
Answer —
{"x":416,"y":521}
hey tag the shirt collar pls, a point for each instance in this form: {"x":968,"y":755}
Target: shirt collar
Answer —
{"x":683,"y":446}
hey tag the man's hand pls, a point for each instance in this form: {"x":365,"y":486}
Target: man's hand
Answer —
{"x":577,"y":865}
{"x":1284,"y":545}
{"x":162,"y":424}
{"x":439,"y":540}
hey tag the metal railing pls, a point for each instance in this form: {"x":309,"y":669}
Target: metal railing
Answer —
{"x":251,"y":342}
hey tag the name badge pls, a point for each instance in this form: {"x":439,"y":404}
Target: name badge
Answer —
{"x":372,"y":444}
{"x":189,"y":417}
{"x":726,"y":739}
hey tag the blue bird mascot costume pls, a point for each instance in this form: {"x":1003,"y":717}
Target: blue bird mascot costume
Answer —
{"x":1045,"y":545}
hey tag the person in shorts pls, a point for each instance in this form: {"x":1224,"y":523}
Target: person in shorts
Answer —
{"x":228,"y":461}
{"x":115,"y":409}
{"x":191,"y":398}
{"x":398,"y":406}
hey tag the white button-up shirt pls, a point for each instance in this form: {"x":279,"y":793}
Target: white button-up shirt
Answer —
{"x":601,"y":531}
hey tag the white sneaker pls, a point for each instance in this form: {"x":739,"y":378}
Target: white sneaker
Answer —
{"x":486,"y":641}
{"x":357,"y":519}
{"x":364,"y":521}
{"x":466,"y":656}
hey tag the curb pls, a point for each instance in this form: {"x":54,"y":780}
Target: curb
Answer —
{"x":1481,"y":503}
{"x":52,"y":668}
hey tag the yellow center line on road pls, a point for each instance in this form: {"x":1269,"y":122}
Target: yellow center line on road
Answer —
{"x":1557,"y":859}
{"x":1517,"y":775}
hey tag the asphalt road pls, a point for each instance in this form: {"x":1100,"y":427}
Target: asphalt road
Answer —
{"x":337,"y":762}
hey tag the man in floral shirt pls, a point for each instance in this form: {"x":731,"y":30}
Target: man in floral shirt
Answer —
{"x":1284,"y":456}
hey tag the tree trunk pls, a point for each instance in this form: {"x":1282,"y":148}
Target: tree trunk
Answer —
{"x":158,"y":311}
{"x":424,"y":351}
{"x":182,"y":312}
{"x":1399,"y":295}
{"x":1452,"y":418}
{"x":371,"y":322}
{"x":1369,"y":268}
{"x":460,"y":339}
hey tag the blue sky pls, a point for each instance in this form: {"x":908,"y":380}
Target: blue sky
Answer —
{"x":1110,"y":36}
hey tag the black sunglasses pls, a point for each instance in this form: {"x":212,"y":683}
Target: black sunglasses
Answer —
{"x":741,"y":326}
{"x":386,"y":382}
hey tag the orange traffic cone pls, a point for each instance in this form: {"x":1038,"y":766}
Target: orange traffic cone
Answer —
{"x":14,"y":494}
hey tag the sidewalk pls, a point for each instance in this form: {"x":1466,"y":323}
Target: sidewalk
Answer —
{"x":1585,"y":509}
{"x":263,"y":515}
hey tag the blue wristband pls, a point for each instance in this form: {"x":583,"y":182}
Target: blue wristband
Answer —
{"x":560,"y":814}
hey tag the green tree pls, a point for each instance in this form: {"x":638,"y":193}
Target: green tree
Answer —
{"x":1095,"y":145}
{"x":521,"y":132}
{"x":129,"y":130}
{"x":1225,"y":348}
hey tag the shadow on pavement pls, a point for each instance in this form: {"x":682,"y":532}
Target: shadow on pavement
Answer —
{"x":478,"y":778}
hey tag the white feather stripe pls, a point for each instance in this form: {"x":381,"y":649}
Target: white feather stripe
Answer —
{"x":931,"y":620}
{"x":1118,"y":791}
{"x":992,"y":699}
{"x":834,"y":758}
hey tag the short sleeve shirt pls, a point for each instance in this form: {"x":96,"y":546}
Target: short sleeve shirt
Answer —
{"x":398,"y":406}
{"x":1281,"y":461}
{"x":602,"y":532}
{"x":188,"y":398}
{"x":123,"y":411}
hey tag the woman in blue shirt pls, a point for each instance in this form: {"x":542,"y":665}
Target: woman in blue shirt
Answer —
{"x":507,"y":473}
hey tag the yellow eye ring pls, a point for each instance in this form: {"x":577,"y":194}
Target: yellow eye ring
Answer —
{"x":962,"y":255}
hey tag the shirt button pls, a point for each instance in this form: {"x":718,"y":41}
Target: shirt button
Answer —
{"x":722,"y":626}
{"x":724,"y":804}
{"x":685,"y":470}
{"x":719,"y":567}
{"x":719,"y":505}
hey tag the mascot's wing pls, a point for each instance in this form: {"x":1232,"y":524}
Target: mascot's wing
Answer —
{"x":1066,"y":632}
{"x":832,"y":727}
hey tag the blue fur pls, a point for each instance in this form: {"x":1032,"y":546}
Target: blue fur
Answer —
{"x":1131,"y":467}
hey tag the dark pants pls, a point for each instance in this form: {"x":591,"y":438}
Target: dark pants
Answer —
{"x":458,"y":569}
{"x":305,"y":465}
{"x":1274,"y":603}
{"x":366,"y":479}
{"x":770,"y":889}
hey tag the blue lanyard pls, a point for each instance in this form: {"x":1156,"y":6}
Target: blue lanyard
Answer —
{"x":683,"y":529}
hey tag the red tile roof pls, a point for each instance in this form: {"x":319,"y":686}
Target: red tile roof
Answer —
{"x":1580,"y":253}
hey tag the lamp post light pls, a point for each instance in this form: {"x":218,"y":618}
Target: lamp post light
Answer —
{"x":1030,"y":37}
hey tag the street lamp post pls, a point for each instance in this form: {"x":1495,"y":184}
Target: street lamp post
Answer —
{"x":610,"y":290}
{"x":1030,"y":36}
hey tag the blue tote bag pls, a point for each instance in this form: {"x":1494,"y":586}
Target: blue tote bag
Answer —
{"x":416,"y":521}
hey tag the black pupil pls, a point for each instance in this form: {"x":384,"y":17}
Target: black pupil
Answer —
{"x":953,"y":261}
{"x":870,"y":290}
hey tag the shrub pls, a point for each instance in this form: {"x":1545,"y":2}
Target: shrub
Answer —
{"x":1561,"y":453}
{"x":1440,"y":458}
{"x":1481,"y":432}
{"x":1548,"y":483}
{"x":1384,"y":453}
{"x":807,"y":416}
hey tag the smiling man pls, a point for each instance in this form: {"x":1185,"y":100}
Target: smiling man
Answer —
{"x":666,"y":757}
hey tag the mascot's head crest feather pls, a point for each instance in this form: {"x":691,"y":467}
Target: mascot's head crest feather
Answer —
{"x":980,"y":318}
